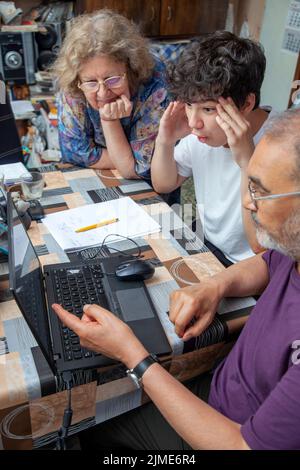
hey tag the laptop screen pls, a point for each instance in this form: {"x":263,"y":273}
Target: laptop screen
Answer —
{"x":25,"y":279}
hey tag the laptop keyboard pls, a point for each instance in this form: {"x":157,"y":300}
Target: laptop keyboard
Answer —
{"x":74,"y":288}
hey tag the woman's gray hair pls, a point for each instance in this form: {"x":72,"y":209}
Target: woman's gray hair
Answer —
{"x":103,"y":32}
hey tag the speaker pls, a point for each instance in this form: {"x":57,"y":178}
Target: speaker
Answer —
{"x":17,"y":61}
{"x":48,"y":44}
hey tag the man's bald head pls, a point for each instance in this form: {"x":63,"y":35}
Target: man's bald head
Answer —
{"x":284,"y":128}
{"x":274,"y":169}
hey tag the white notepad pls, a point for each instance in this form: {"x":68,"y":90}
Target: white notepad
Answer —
{"x":133,"y":222}
{"x":13,"y":171}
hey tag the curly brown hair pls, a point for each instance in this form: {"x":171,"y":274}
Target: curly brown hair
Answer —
{"x":103,"y":32}
{"x":218,"y":64}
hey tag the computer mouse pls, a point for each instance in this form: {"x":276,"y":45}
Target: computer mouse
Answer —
{"x":137,"y":270}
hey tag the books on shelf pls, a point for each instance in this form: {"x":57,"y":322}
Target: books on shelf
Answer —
{"x":17,"y":28}
{"x":44,"y":87}
{"x":22,"y":109}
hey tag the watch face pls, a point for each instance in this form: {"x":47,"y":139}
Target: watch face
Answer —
{"x":134,"y":378}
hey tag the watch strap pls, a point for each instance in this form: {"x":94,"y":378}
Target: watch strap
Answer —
{"x":142,"y":366}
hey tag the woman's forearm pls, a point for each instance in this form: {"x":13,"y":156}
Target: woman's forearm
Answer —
{"x":104,"y":162}
{"x":119,"y":149}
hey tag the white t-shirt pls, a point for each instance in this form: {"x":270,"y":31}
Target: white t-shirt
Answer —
{"x":217,"y":180}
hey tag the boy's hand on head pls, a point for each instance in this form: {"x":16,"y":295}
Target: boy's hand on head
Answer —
{"x":237,"y":130}
{"x":173,"y":124}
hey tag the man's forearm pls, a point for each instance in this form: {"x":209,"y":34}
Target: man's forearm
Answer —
{"x":201,"y":426}
{"x":163,"y":168}
{"x":247,"y":277}
{"x":118,"y":148}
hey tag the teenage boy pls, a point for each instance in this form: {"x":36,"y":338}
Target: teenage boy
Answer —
{"x":216,"y":83}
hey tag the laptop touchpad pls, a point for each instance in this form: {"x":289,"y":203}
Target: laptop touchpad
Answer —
{"x":134,"y":304}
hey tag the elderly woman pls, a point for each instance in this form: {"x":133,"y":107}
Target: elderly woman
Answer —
{"x":112,"y":95}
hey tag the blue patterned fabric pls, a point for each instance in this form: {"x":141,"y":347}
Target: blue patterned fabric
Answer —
{"x":80,"y":134}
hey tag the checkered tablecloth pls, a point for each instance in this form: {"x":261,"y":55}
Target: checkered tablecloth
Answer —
{"x":31,"y":397}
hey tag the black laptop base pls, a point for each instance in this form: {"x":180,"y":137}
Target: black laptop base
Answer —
{"x":73,"y":285}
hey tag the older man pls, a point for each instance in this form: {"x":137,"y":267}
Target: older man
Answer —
{"x":254,"y":395}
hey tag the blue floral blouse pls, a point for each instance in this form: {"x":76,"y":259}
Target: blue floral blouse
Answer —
{"x":80,"y":134}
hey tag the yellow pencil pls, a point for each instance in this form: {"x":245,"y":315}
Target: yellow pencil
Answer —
{"x":99,"y":224}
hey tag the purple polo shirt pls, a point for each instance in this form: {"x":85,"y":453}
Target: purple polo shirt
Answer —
{"x":258,"y":385}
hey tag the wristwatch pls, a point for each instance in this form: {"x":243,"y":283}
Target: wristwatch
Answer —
{"x":136,"y":374}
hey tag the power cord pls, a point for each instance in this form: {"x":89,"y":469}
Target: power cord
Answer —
{"x":68,"y":413}
{"x":122,"y":252}
{"x":97,"y":250}
{"x":67,"y":376}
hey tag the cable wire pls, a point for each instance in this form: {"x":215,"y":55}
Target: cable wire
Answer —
{"x":68,"y":413}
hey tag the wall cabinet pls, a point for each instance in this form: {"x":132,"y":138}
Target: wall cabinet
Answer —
{"x":192,"y":17}
{"x":166,"y":18}
{"x":144,"y":13}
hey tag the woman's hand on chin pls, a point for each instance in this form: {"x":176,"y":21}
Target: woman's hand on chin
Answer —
{"x":116,"y":110}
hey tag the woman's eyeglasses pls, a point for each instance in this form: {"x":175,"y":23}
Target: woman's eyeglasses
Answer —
{"x":110,"y":83}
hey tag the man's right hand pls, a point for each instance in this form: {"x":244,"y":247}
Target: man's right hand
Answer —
{"x":101,"y":331}
{"x":198,"y":303}
{"x":173,"y":124}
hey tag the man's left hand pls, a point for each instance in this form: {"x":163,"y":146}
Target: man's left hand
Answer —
{"x":237,"y":130}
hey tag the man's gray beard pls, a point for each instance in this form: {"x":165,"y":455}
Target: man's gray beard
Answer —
{"x":288,"y":242}
{"x":266,"y":241}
